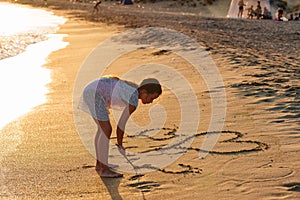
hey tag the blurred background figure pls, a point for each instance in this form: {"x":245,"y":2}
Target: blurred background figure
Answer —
{"x":280,"y":14}
{"x":258,"y":10}
{"x":241,"y":5}
{"x":266,"y":14}
{"x":250,"y":13}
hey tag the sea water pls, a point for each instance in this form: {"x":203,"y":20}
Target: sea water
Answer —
{"x":27,"y":37}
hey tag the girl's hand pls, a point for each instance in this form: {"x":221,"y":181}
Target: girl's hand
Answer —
{"x":121,"y":149}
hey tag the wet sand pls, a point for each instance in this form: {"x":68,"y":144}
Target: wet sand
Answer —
{"x":256,"y":156}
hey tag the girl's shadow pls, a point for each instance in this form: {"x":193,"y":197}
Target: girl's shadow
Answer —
{"x":112,"y":185}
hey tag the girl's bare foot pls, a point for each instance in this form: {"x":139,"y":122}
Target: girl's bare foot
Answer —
{"x":109,"y":174}
{"x":113,"y":166}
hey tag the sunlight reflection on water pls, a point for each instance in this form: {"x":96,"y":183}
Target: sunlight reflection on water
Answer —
{"x":22,"y":77}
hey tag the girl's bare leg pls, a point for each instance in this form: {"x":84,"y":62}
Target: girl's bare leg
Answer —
{"x":102,"y":146}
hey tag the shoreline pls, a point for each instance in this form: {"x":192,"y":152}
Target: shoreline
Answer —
{"x":44,"y":138}
{"x":30,"y":39}
{"x":53,"y":164}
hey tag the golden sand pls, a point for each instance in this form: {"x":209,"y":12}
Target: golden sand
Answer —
{"x":256,"y":157}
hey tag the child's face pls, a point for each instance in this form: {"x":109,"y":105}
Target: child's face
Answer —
{"x":147,"y":97}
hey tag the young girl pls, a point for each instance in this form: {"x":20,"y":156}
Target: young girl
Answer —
{"x":104,"y":93}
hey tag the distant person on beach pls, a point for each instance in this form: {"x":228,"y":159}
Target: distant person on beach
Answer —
{"x":96,"y":8}
{"x":291,"y":17}
{"x":241,"y":5}
{"x":280,"y":14}
{"x":250,"y":12}
{"x":100,"y":95}
{"x":126,"y":2}
{"x":266,"y":14}
{"x":258,"y":10}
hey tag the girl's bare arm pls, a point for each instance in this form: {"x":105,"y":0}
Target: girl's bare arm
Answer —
{"x":122,"y":123}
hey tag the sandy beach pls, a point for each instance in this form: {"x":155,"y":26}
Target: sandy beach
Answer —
{"x":257,"y":154}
